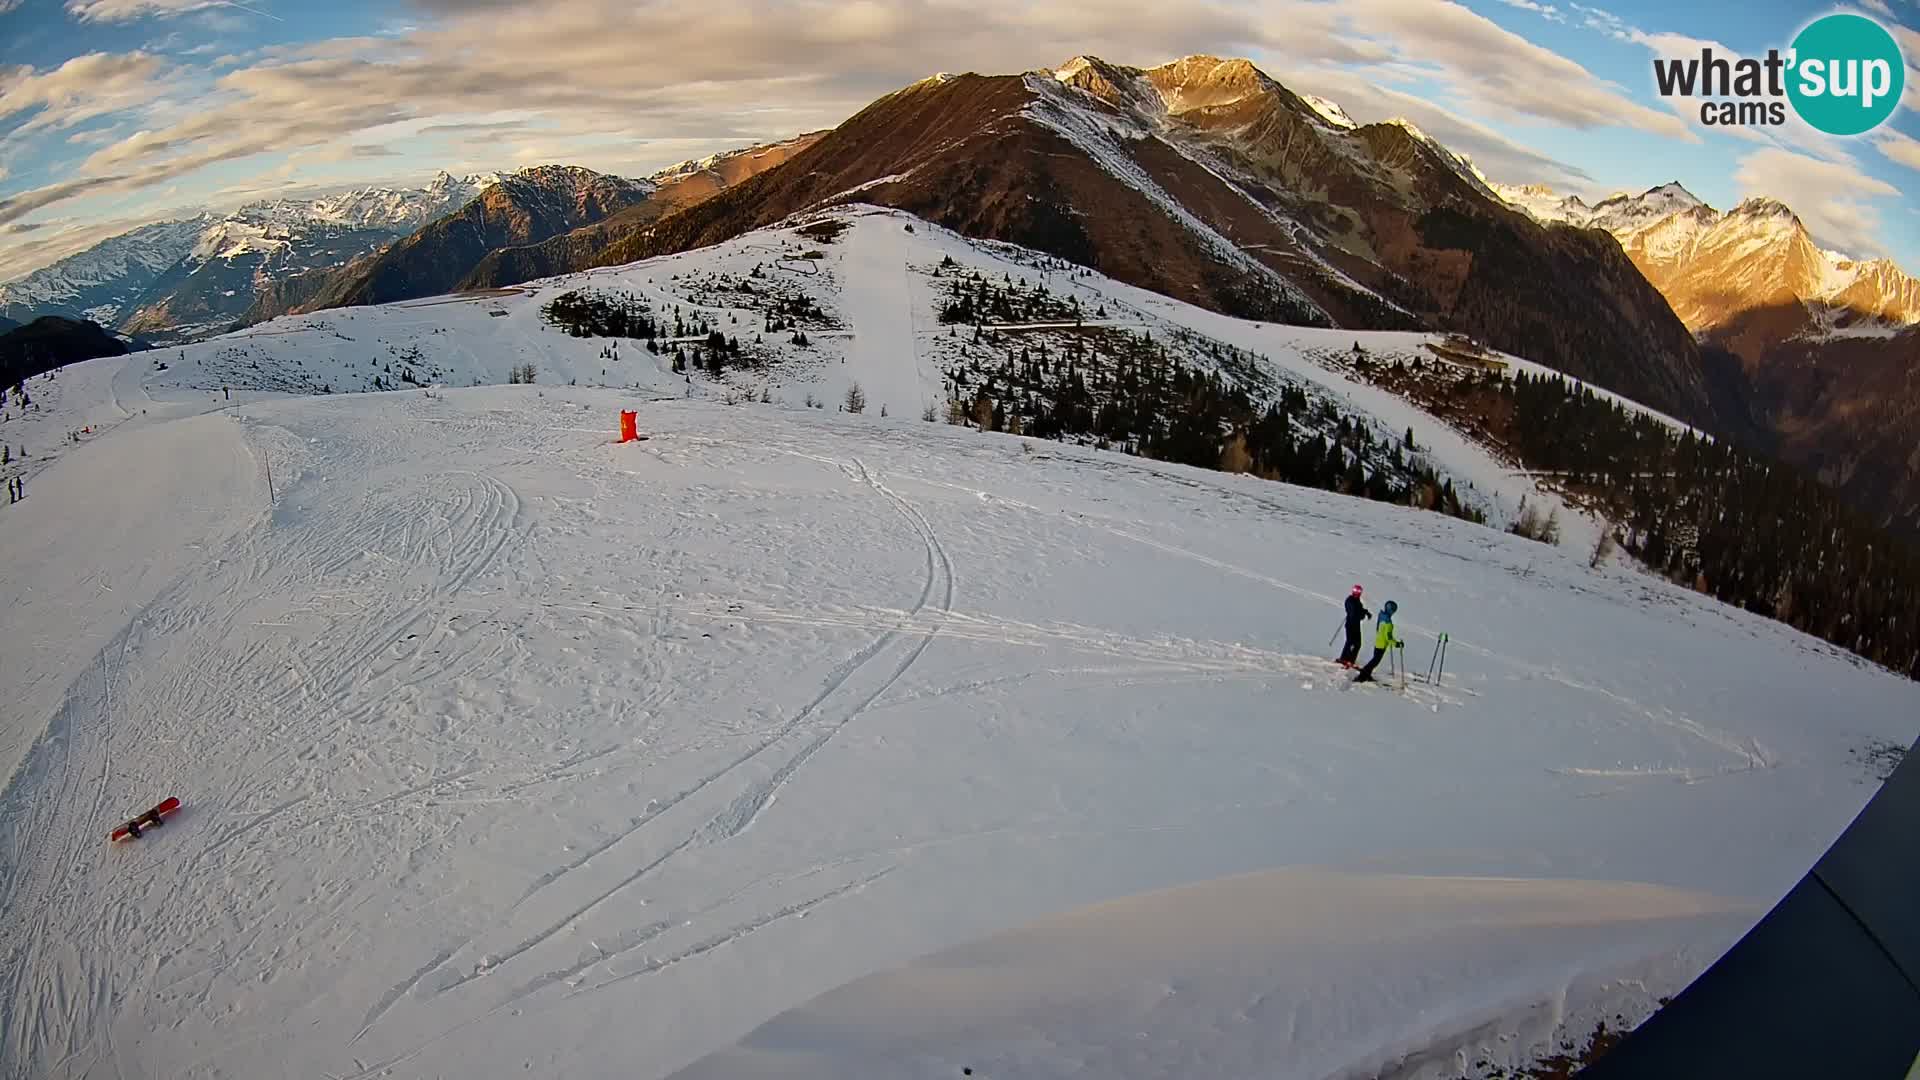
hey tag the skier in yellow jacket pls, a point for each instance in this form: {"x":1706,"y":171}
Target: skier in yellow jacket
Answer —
{"x":1383,"y":639}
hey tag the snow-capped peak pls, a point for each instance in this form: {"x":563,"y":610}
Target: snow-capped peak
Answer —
{"x":1761,"y":207}
{"x":572,"y":181}
{"x":1329,"y":111}
{"x":1672,"y":193}
{"x":108,"y":281}
{"x":681,"y":169}
{"x":1699,"y":258}
{"x":102,"y":280}
{"x":397,"y":210}
{"x":1544,"y":204}
{"x":1065,"y":72}
{"x":1409,"y":127}
{"x":1623,"y":214}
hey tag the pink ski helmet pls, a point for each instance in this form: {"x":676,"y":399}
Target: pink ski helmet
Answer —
{"x":1357,"y":590}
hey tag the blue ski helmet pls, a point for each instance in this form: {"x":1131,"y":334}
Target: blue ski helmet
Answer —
{"x":1387,"y":609}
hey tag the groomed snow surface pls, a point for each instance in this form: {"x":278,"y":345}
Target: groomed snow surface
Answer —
{"x":506,"y":749}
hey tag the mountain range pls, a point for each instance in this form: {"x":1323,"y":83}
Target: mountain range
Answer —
{"x":481,"y":243}
{"x":520,"y":208}
{"x":107,"y":280}
{"x":198,"y":276}
{"x":676,"y":188}
{"x":1716,"y":267}
{"x":1208,"y":181}
{"x":1202,"y":179}
{"x":1827,"y":345}
{"x":193,"y":277}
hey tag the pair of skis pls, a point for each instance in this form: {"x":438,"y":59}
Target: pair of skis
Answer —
{"x":1396,"y":665}
{"x":1436,"y":666}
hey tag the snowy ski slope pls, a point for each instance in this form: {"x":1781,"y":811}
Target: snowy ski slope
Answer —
{"x":880,"y":330}
{"x":506,"y":749}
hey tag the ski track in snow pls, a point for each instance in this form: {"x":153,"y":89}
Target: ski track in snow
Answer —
{"x":845,"y":683}
{"x":500,"y":742}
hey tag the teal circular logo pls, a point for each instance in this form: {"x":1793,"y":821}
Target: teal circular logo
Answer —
{"x":1847,"y":74}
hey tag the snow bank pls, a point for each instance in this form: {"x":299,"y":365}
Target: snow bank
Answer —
{"x":1295,"y":972}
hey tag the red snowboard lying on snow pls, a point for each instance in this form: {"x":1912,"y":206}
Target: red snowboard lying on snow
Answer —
{"x":152,"y":819}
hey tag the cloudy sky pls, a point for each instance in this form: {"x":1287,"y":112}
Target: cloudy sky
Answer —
{"x":118,"y":112}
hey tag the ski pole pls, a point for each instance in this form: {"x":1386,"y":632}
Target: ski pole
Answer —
{"x":1336,"y":633}
{"x":1441,"y":674}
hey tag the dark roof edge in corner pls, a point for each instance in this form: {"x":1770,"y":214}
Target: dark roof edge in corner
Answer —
{"x":1827,"y":984}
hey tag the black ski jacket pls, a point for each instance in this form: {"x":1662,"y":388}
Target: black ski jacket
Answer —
{"x":1356,"y":611}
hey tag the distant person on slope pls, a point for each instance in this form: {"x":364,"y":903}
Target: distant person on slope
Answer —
{"x":1383,"y":639}
{"x":1356,"y":612}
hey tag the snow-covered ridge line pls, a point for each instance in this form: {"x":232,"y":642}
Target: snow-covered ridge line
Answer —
{"x":151,"y":247}
{"x":1330,"y":111}
{"x":868,"y":185}
{"x":1055,"y":108}
{"x":1458,"y":163}
{"x":1302,"y":238}
{"x":1672,"y":226}
{"x":670,"y":283}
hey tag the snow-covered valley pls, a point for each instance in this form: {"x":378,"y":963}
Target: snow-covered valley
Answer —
{"x":508,"y":749}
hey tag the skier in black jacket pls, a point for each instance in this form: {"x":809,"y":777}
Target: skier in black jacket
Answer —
{"x":1356,"y":611}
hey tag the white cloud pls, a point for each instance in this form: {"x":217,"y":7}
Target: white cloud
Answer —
{"x":1547,"y":11}
{"x":85,"y":87}
{"x":650,"y":72}
{"x":628,"y":86}
{"x":1904,"y":149}
{"x":1604,"y":21}
{"x":1877,"y":5}
{"x":1498,"y":156}
{"x":9,"y":5}
{"x":1832,"y":199}
{"x":1909,"y":41}
{"x":17,"y":206}
{"x":108,"y":11}
{"x":1501,"y":73}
